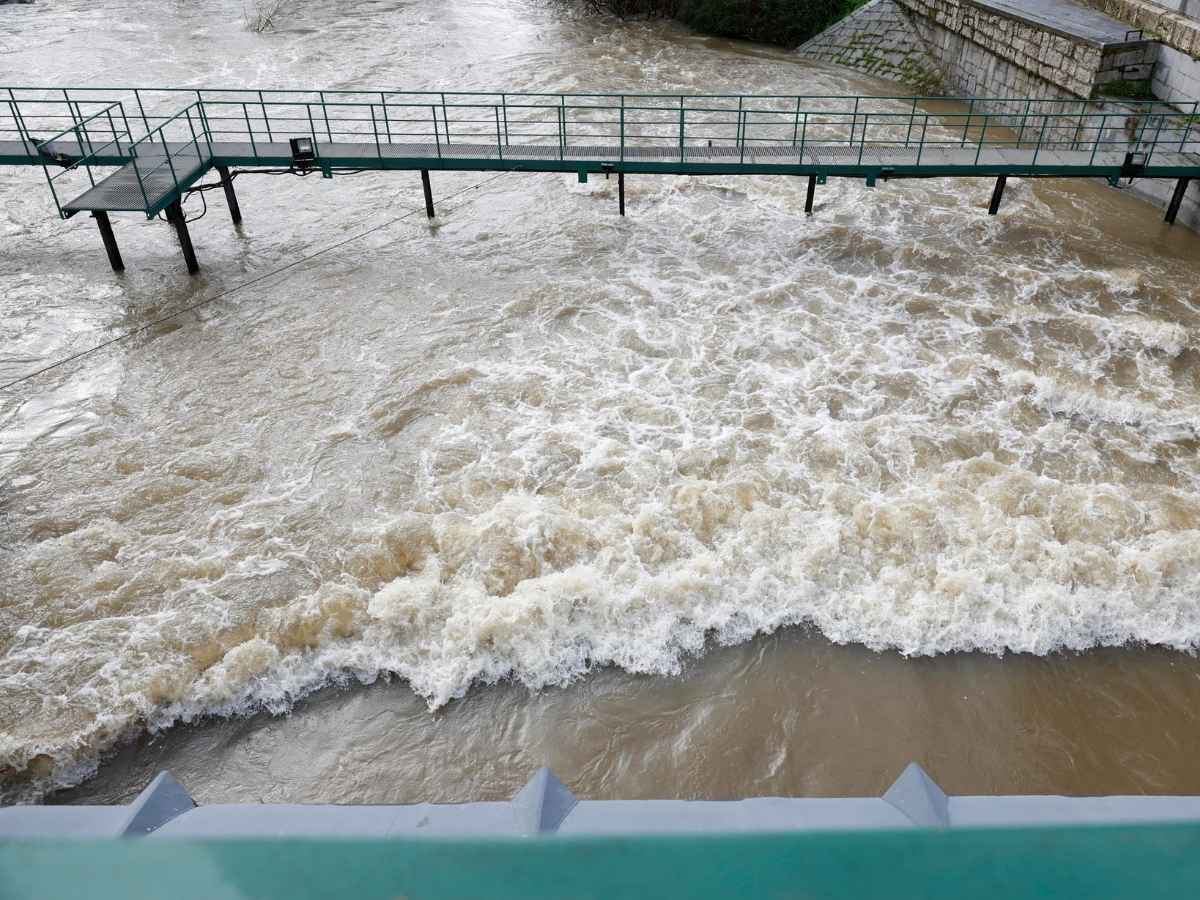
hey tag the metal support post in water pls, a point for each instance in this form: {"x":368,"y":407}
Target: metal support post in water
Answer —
{"x":235,"y":211}
{"x":176,"y":218}
{"x":110,"y":240}
{"x":1181,"y":187}
{"x":621,"y":191}
{"x":428,"y":193}
{"x":997,"y":193}
{"x":812,"y":190}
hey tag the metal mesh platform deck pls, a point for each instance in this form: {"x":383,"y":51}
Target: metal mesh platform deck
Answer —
{"x":160,"y":177}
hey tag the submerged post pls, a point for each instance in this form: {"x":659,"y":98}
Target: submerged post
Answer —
{"x":812,"y":190}
{"x":176,"y":218}
{"x":428,"y":193}
{"x":997,"y":193}
{"x":1181,"y":187}
{"x":235,"y":211}
{"x":110,"y":240}
{"x":621,"y":191}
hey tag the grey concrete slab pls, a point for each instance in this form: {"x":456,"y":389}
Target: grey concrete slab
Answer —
{"x":1064,"y":17}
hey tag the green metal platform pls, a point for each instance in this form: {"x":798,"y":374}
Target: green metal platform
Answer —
{"x":160,"y":142}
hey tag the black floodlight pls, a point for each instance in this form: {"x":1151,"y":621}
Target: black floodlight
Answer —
{"x":303,"y":152}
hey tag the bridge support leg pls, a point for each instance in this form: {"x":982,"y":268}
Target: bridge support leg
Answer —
{"x":428,"y":193}
{"x":176,"y":218}
{"x":110,"y":240}
{"x":812,"y":190}
{"x":621,"y":191}
{"x":235,"y":211}
{"x":997,"y":194}
{"x":1181,"y":187}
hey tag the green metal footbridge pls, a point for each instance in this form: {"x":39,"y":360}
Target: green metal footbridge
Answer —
{"x":108,"y":150}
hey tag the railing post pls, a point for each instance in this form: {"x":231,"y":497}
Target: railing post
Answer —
{"x":250,"y":130}
{"x":1187,"y":130}
{"x":911,"y":118}
{"x":445,"y":119}
{"x":622,"y":128}
{"x":325,"y":113}
{"x":921,"y":146}
{"x":562,"y":119}
{"x":202,"y":111}
{"x":803,"y":135}
{"x":12,"y":106}
{"x":1099,"y":137}
{"x":262,"y":104}
{"x":192,"y":128}
{"x":170,"y":162}
{"x":375,"y":131}
{"x":499,"y":143}
{"x":1024,"y":119}
{"x":796,"y":123}
{"x":128,"y":132}
{"x":1157,"y":133}
{"x":743,"y":115}
{"x":79,"y":140}
{"x":738,"y":138}
{"x":137,"y":95}
{"x":682,"y":129}
{"x":853,"y":122}
{"x":312,"y":128}
{"x":112,"y":127}
{"x":387,"y":126}
{"x":141,"y":184}
{"x":436,"y":138}
{"x":967,"y":126}
{"x":982,"y":135}
{"x":862,"y":145}
{"x":1038,"y":147}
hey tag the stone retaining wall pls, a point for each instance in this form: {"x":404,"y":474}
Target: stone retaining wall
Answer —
{"x":878,"y":39}
{"x":974,"y":52}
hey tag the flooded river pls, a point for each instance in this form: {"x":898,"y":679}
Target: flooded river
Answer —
{"x":714,"y":500}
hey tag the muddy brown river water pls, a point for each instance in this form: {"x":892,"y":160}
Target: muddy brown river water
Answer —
{"x":711,"y":501}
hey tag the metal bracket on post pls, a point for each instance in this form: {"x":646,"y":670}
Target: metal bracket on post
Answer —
{"x":235,"y":211}
{"x":110,"y":240}
{"x":176,"y":218}
{"x":997,"y":194}
{"x":428,"y":193}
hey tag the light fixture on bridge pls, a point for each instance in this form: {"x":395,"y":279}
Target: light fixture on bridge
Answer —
{"x":303,"y":152}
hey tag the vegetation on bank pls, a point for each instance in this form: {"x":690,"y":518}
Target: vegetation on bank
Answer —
{"x":785,"y":22}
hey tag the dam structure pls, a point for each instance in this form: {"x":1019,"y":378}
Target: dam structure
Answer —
{"x":111,"y":150}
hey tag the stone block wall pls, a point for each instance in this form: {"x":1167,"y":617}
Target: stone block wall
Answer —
{"x":1172,"y":26}
{"x":878,"y":39}
{"x":1067,"y":63}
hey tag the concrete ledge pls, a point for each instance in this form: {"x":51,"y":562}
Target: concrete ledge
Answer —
{"x":545,"y":805}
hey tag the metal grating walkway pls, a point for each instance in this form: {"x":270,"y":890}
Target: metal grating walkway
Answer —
{"x":161,"y":147}
{"x":144,"y":182}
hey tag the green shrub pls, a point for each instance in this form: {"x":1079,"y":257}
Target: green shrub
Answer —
{"x":786,"y":22}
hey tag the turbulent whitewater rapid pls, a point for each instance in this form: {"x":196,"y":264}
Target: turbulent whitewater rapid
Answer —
{"x":536,"y":439}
